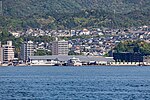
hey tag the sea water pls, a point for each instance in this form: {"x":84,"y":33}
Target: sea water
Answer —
{"x":75,"y":83}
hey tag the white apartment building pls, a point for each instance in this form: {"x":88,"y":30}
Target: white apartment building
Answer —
{"x":60,"y":47}
{"x":27,"y":49}
{"x":8,"y":52}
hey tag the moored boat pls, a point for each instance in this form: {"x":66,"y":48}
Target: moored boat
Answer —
{"x":74,"y":62}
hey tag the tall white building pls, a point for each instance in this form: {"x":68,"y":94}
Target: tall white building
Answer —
{"x":8,"y":52}
{"x":27,"y":49}
{"x":60,"y":47}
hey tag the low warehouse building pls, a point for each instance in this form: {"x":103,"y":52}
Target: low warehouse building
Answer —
{"x":65,"y":58}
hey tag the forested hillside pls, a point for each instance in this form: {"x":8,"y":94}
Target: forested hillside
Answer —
{"x":19,"y":14}
{"x":133,"y":46}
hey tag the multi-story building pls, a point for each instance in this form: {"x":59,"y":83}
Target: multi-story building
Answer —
{"x":27,"y":49}
{"x":8,"y":52}
{"x":60,"y":47}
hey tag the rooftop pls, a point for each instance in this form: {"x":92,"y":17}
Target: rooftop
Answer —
{"x":66,"y":58}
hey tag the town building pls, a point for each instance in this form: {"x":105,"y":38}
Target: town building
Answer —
{"x":60,"y":47}
{"x":8,"y":52}
{"x":27,"y":49}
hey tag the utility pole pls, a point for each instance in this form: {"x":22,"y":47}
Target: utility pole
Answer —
{"x":114,"y":12}
{"x":1,"y":8}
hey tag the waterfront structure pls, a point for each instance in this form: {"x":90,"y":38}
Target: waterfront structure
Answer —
{"x":60,"y":47}
{"x":27,"y":49}
{"x":128,"y":57}
{"x":8,"y":52}
{"x":64,"y":58}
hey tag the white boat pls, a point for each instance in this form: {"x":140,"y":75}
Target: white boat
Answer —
{"x":74,"y":62}
{"x":4,"y":65}
{"x":42,"y":64}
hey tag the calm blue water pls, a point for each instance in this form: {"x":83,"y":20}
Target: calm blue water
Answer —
{"x":79,"y":83}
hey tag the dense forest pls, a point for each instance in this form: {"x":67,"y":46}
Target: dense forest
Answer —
{"x":66,"y":14}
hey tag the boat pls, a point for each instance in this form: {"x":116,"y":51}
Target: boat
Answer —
{"x":42,"y":64}
{"x":4,"y":65}
{"x":74,"y":62}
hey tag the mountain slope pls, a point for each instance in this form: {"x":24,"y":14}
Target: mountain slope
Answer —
{"x":39,"y":7}
{"x":55,"y":14}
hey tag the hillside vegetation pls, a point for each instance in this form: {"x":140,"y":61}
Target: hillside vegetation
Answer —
{"x":133,"y":46}
{"x":64,"y":14}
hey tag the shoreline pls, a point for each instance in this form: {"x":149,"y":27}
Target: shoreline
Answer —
{"x":77,"y":65}
{"x":73,"y":66}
